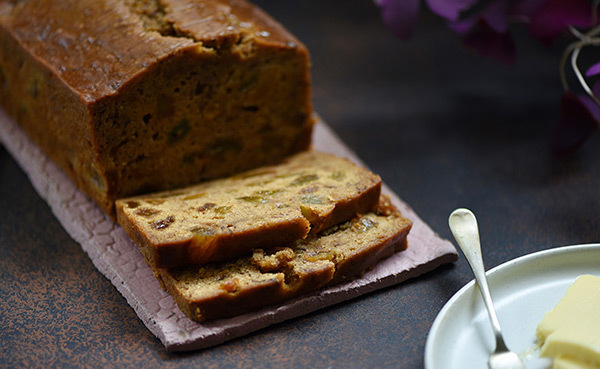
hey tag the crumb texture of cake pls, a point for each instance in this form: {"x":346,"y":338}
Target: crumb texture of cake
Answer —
{"x":268,"y":277}
{"x":133,"y":96}
{"x":266,"y":207}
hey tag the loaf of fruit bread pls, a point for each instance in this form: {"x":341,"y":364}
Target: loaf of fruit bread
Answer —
{"x":268,"y":277}
{"x":269,"y":206}
{"x":133,"y":96}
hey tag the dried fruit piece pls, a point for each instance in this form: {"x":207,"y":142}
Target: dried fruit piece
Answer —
{"x":203,"y":231}
{"x":304,"y":179}
{"x":313,"y":200}
{"x":179,"y":130}
{"x":206,"y":206}
{"x":338,"y":175}
{"x":223,"y":209}
{"x":155,"y":201}
{"x":146,"y":212}
{"x":363,"y":224}
{"x":260,"y":196}
{"x":224,"y":145}
{"x":230,"y":285}
{"x":132,"y":204}
{"x":163,"y":223}
{"x":194,"y":196}
{"x":320,"y":255}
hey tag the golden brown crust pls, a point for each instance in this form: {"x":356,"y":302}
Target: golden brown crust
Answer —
{"x":266,"y":207}
{"x":270,"y":277}
{"x":130,"y":96}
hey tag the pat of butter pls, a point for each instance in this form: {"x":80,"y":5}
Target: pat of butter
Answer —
{"x":572,"y":329}
{"x":563,"y":362}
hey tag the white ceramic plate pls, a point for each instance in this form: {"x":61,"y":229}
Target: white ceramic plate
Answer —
{"x":523,"y":290}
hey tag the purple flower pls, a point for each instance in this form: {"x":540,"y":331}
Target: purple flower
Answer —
{"x":523,"y":10}
{"x":450,"y":9}
{"x":400,"y":16}
{"x":487,"y":32}
{"x":554,"y":16}
{"x":593,"y":70}
{"x":483,"y":26}
{"x":486,"y":41}
{"x":596,"y":89}
{"x":579,"y":118}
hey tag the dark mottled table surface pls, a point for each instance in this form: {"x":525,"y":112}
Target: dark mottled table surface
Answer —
{"x":443,"y":127}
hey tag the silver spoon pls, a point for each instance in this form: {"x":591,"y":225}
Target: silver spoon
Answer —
{"x":463,"y":225}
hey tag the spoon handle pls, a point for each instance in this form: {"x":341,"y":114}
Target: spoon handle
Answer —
{"x":463,"y":225}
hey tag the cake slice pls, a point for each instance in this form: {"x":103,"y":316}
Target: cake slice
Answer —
{"x":270,"y":206}
{"x":269,"y":277}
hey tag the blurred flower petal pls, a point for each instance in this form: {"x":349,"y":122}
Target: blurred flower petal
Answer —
{"x":486,"y":41}
{"x":554,"y":16}
{"x":462,"y":27}
{"x":593,"y":70}
{"x":496,"y":15}
{"x":400,"y":16}
{"x":449,"y":9}
{"x":524,"y":10}
{"x":487,"y":32}
{"x":596,"y":88}
{"x":579,"y":118}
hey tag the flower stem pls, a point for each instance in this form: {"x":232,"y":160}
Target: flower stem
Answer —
{"x":574,"y":49}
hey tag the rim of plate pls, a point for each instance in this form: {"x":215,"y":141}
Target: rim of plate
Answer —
{"x":435,"y":327}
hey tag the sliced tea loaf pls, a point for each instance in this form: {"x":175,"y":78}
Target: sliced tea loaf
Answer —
{"x":132,"y":96}
{"x":341,"y":253}
{"x":269,"y":206}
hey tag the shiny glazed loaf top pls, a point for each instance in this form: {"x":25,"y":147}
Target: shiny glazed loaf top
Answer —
{"x":132,"y":96}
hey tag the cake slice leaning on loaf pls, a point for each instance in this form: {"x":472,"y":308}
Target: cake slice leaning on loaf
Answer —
{"x":269,"y":277}
{"x":269,"y":206}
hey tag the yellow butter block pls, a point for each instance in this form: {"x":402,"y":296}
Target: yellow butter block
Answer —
{"x":572,"y":328}
{"x":579,"y":342}
{"x":563,"y":362}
